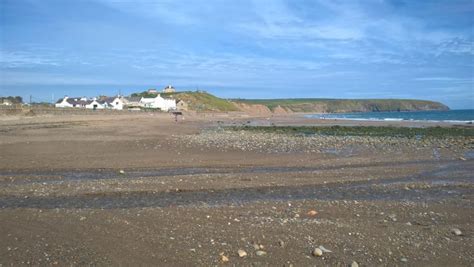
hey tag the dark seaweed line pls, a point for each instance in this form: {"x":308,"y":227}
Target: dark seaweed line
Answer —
{"x":371,"y":131}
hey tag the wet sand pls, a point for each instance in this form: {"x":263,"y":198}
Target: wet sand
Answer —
{"x":140,"y":189}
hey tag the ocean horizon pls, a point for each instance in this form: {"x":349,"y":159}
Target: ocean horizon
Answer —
{"x":453,"y":116}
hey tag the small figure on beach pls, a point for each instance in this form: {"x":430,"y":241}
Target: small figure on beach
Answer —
{"x":176,"y":114}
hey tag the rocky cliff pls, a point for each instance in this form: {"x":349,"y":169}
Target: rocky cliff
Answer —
{"x":336,"y":105}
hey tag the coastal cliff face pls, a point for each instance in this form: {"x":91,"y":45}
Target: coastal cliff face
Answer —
{"x":282,"y":106}
{"x":205,"y":102}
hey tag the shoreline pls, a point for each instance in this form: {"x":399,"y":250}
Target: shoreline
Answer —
{"x":302,"y":119}
{"x":387,"y":118}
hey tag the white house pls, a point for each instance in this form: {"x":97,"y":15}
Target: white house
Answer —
{"x":158,"y":102}
{"x":94,"y":104}
{"x":112,"y":102}
{"x":117,"y":103}
{"x":72,"y":102}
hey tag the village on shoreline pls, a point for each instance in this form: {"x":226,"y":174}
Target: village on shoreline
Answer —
{"x":154,"y":101}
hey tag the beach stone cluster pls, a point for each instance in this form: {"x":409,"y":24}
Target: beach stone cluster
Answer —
{"x":267,"y":142}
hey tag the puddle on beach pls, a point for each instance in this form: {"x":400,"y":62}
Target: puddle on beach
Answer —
{"x":433,"y":187}
{"x":469,"y":154}
{"x":345,"y":152}
{"x":47,"y":177}
{"x":237,"y":196}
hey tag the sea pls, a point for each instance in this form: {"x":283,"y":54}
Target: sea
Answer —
{"x":451,"y":116}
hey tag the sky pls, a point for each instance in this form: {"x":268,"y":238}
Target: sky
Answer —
{"x":240,"y":49}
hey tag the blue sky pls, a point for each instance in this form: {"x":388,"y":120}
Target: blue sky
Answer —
{"x":245,"y":48}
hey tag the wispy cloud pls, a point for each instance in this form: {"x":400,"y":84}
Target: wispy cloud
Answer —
{"x":351,"y":30}
{"x":40,"y":78}
{"x":276,"y":20}
{"x":457,"y":45}
{"x":445,"y":79}
{"x":17,"y":59}
{"x":174,"y":12}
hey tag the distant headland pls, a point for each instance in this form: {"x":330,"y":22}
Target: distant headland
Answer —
{"x":201,"y":101}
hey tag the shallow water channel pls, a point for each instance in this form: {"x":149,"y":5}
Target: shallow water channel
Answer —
{"x":449,"y":180}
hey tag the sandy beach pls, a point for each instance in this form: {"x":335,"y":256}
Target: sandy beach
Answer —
{"x":142,"y":189}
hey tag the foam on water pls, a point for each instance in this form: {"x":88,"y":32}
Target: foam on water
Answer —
{"x":451,"y":116}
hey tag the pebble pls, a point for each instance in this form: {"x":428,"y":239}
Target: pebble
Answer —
{"x":281,"y":243}
{"x":242,"y":253}
{"x":260,"y":253}
{"x":122,"y":172}
{"x":323,"y":249}
{"x":354,"y":264}
{"x":404,"y":260}
{"x":393,"y":217}
{"x":456,"y":231}
{"x":317,"y":252}
{"x":224,"y":258}
{"x":277,"y":143}
{"x":312,"y":213}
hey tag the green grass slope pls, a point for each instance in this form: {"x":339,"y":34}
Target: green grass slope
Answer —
{"x":202,"y":101}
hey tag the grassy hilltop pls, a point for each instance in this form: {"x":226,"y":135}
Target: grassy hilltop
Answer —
{"x":203,"y":101}
{"x":198,"y":100}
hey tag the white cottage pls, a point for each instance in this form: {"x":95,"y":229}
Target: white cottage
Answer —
{"x":159,"y":103}
{"x":94,"y":104}
{"x":72,"y":102}
{"x":117,"y":103}
{"x":112,"y":102}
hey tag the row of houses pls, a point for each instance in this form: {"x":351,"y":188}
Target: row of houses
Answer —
{"x":121,"y":102}
{"x":118,"y":103}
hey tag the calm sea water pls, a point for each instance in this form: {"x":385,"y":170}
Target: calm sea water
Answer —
{"x":459,"y":116}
